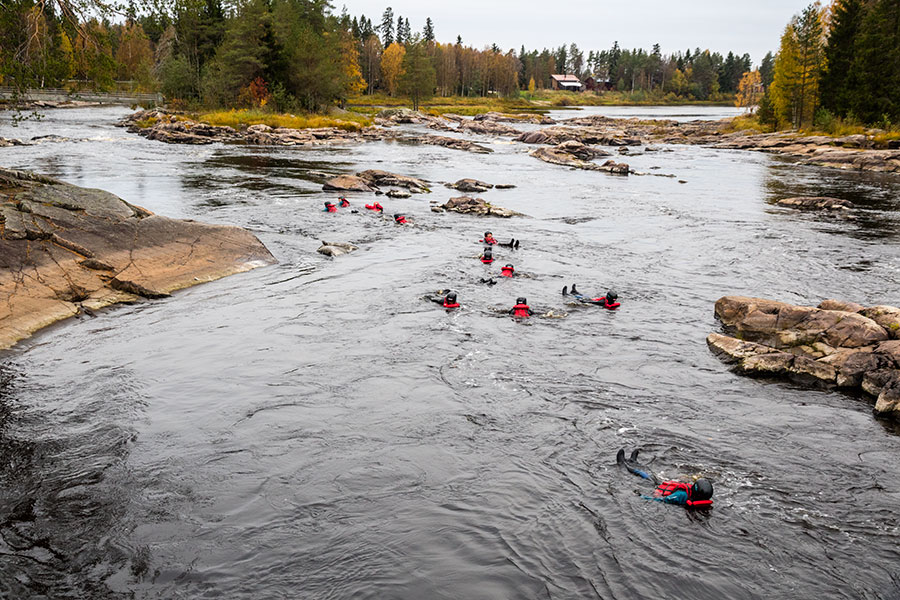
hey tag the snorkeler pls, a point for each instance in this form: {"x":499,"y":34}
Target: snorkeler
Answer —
{"x":487,"y":257}
{"x":330,"y":207}
{"x":521,"y":309}
{"x":343,"y":202}
{"x":375,"y":206}
{"x":609,"y":301}
{"x":507,"y":271}
{"x":400,"y":219}
{"x":696,"y":495}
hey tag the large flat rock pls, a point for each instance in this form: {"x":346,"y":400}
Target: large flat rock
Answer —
{"x":64,"y":248}
{"x":838,"y":343}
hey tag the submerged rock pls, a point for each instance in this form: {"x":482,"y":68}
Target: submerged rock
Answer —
{"x":395,"y":193}
{"x":816,"y":203}
{"x":474,"y":206}
{"x":336,"y":248}
{"x":453,"y":143}
{"x":64,"y":249}
{"x":839,"y":343}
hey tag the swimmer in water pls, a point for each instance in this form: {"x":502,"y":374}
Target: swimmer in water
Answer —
{"x":521,"y":309}
{"x":690,"y":495}
{"x":609,"y":301}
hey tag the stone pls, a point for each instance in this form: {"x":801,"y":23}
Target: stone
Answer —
{"x":888,"y":402}
{"x":887,"y":317}
{"x":64,"y":249}
{"x":769,"y":364}
{"x":377,"y":178}
{"x":347,"y":183}
{"x":488,"y":128}
{"x":470,"y":185}
{"x":732,"y":349}
{"x":841,"y":305}
{"x":816,"y":203}
{"x":577,"y":155}
{"x":807,"y":369}
{"x":336,"y":248}
{"x":395,"y":193}
{"x":475,"y":206}
{"x":836,"y":343}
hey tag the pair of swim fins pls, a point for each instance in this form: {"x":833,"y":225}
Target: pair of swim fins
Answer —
{"x":631,"y":463}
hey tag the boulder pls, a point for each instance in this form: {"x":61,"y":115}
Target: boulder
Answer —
{"x":475,"y":206}
{"x":888,"y":402}
{"x":816,"y":203}
{"x":782,"y":325}
{"x":886,"y":316}
{"x":395,"y":193}
{"x":838,"y":343}
{"x":336,"y":248}
{"x":732,"y":349}
{"x":64,"y":248}
{"x":470,"y":185}
{"x":570,"y":153}
{"x":840,"y":305}
{"x":376,"y":178}
{"x":488,"y":128}
{"x":347,"y":183}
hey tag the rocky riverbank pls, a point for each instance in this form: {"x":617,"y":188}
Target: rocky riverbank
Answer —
{"x":65,"y":250}
{"x":857,"y":152}
{"x":838,"y":343}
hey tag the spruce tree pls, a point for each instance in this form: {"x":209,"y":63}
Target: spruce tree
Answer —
{"x":387,"y":27}
{"x":877,"y":65}
{"x":838,"y":78}
{"x":428,"y":31}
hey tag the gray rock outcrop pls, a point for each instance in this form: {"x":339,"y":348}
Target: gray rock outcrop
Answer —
{"x":64,"y":248}
{"x":838,"y":344}
{"x":474,"y":206}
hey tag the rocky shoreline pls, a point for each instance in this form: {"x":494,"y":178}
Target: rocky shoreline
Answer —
{"x":837,"y":344}
{"x":65,"y":250}
{"x":856,"y":152}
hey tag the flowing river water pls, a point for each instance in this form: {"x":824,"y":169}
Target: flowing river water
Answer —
{"x":316,"y":429}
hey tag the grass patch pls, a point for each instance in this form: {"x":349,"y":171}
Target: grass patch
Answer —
{"x":246,"y":117}
{"x":460,"y":105}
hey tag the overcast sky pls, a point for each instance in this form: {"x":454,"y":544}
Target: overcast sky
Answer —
{"x":753,"y":26}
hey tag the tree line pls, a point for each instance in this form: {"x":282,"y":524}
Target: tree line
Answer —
{"x":298,"y":54}
{"x":840,"y":62}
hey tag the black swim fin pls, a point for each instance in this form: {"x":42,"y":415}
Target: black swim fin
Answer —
{"x":566,"y":293}
{"x":517,"y":244}
{"x":574,"y":291}
{"x":633,"y":466}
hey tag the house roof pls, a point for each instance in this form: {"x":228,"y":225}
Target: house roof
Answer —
{"x":562,"y":78}
{"x":572,"y":84}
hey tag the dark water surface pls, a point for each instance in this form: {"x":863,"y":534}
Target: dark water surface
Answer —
{"x":316,"y":430}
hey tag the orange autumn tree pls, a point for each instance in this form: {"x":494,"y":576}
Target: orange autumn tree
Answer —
{"x":392,"y":66}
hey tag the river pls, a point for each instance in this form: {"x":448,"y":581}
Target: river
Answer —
{"x":316,"y":429}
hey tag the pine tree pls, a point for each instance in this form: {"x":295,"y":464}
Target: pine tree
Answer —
{"x":767,"y":69}
{"x":418,"y":77}
{"x":840,"y":52}
{"x":401,"y":31}
{"x":428,"y":31}
{"x":387,"y":27}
